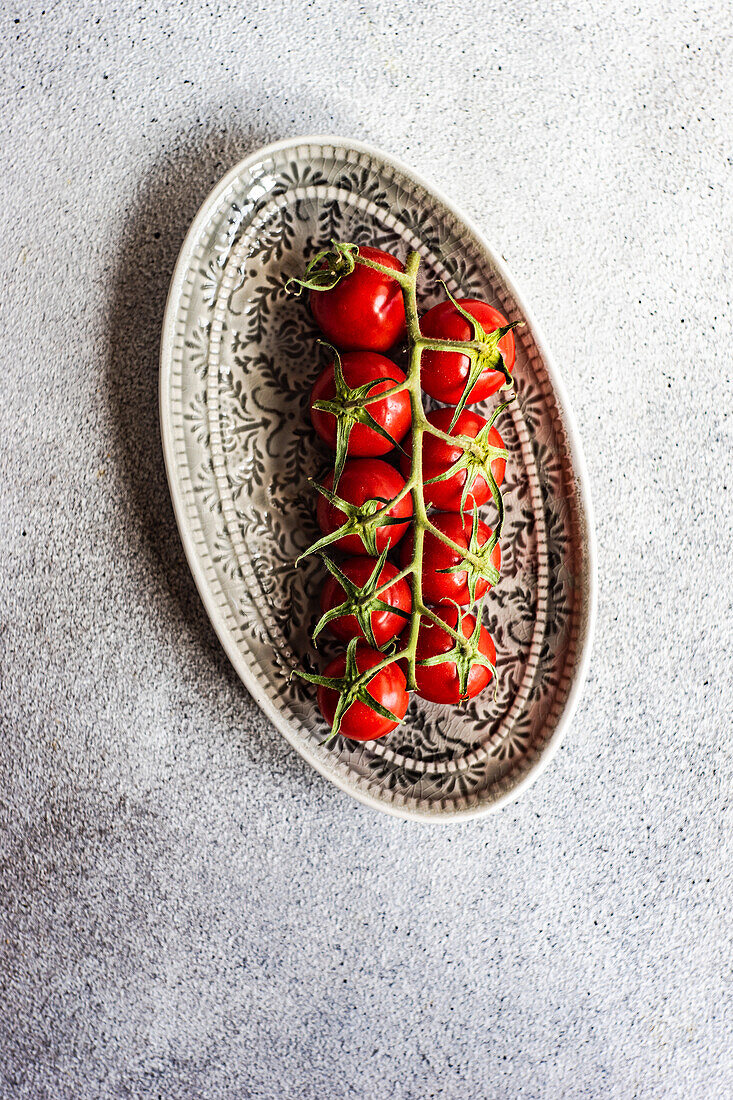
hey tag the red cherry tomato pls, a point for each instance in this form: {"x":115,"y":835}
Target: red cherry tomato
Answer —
{"x":366,"y":479}
{"x":443,"y":374}
{"x":440,"y":683}
{"x":360,"y":722}
{"x":365,"y":311}
{"x":438,"y":456}
{"x":393,"y":414}
{"x":444,"y":588}
{"x":385,"y":624}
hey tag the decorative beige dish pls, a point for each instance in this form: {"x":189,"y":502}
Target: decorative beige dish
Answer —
{"x":237,"y":365}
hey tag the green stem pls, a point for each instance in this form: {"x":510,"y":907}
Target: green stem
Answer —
{"x":402,"y":277}
{"x":415,"y":484}
{"x":465,"y":347}
{"x":384,"y":394}
{"x":407,"y":280}
{"x":395,"y":580}
{"x":419,"y":420}
{"x":442,"y":537}
{"x":428,"y":613}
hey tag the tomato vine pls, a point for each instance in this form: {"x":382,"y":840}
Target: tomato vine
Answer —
{"x":351,"y":407}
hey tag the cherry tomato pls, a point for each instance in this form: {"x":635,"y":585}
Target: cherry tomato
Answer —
{"x":441,"y":683}
{"x":365,"y":311}
{"x":393,"y":414}
{"x":443,"y":374}
{"x":438,"y":456}
{"x":366,"y":479}
{"x":444,"y":588}
{"x":385,"y":624}
{"x":360,"y":722}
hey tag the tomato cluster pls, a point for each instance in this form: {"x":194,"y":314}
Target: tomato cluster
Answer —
{"x":368,"y":503}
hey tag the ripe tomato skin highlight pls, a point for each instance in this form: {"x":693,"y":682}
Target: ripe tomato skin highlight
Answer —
{"x":360,"y":722}
{"x":365,"y":479}
{"x":442,"y":588}
{"x":438,"y":456}
{"x":443,"y":374}
{"x":385,"y":624}
{"x":365,"y":311}
{"x":439,"y":683}
{"x":393,"y":414}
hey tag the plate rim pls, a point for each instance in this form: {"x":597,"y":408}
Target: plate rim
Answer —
{"x":582,"y":488}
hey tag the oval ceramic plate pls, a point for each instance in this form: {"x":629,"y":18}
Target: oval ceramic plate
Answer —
{"x":237,"y":362}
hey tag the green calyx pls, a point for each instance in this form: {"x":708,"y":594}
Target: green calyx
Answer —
{"x":352,"y":688}
{"x":326,"y":268}
{"x":477,"y":458}
{"x":477,"y":563}
{"x":489,"y":357}
{"x":363,"y":520}
{"x":350,"y":407}
{"x":465,"y":652}
{"x":478,"y":455}
{"x":361,"y":602}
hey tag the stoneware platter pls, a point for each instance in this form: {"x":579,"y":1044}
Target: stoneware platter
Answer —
{"x":238,"y":359}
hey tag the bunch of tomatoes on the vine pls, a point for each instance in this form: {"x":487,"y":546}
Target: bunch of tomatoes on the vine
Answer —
{"x":409,"y":556}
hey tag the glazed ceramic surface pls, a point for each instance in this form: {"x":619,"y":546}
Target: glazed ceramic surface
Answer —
{"x":239,"y":356}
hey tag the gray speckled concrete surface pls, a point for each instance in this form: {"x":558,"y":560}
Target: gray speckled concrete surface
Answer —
{"x":186,"y":909}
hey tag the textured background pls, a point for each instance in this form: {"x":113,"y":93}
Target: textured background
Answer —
{"x":189,"y":911}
